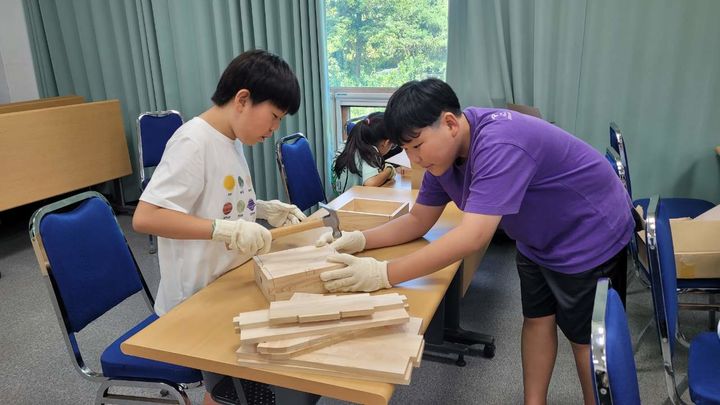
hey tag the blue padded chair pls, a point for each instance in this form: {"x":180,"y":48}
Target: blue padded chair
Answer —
{"x":298,"y":171}
{"x":677,"y":207}
{"x":154,"y":129}
{"x":89,"y":269}
{"x":704,"y":354}
{"x":611,"y":354}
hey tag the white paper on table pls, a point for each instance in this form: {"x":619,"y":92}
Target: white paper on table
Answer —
{"x":401,"y":159}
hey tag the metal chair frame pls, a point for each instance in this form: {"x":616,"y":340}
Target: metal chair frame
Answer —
{"x":103,"y":395}
{"x":598,"y":345}
{"x":598,"y":356}
{"x":141,"y":165}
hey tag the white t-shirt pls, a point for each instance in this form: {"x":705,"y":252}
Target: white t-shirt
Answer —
{"x":202,"y":173}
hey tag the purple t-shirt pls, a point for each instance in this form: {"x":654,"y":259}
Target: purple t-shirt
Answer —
{"x":559,"y":198}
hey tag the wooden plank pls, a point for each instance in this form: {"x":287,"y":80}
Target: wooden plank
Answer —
{"x":271,"y":333}
{"x":307,"y":344}
{"x":388,"y":352}
{"x":331,"y":307}
{"x":48,"y":102}
{"x":44,"y":153}
{"x":285,"y":368}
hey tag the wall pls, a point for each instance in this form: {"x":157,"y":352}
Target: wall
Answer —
{"x":17,"y":75}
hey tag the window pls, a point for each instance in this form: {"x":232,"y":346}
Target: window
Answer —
{"x":374,"y":46}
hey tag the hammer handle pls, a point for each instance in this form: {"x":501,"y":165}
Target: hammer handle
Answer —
{"x":303,"y":226}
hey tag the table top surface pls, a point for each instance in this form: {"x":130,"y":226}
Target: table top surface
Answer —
{"x":199,"y":332}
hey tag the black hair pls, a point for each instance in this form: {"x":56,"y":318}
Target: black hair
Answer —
{"x":416,"y":105}
{"x":361,"y":140}
{"x":265,"y":75}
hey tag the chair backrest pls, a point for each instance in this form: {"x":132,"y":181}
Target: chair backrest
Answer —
{"x":618,"y":144}
{"x":298,"y":171}
{"x":616,"y":162}
{"x":663,"y":279}
{"x":350,"y":124}
{"x":612,"y":361}
{"x":154,"y":129}
{"x":85,"y":261}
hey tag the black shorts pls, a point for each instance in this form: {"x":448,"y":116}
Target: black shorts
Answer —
{"x":570,"y":297}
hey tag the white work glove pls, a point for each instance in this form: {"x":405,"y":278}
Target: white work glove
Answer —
{"x":247,"y":237}
{"x":362,"y":274}
{"x":278,"y":213}
{"x":349,"y":242}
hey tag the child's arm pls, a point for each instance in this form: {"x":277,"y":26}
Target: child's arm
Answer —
{"x":473,"y":234}
{"x":381,"y":178}
{"x":405,"y":228}
{"x":368,"y":274}
{"x":167,"y":223}
{"x":245,"y":236}
{"x":400,"y":230}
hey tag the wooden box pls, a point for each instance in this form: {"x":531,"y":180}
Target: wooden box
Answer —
{"x":364,"y":213}
{"x":281,"y":274}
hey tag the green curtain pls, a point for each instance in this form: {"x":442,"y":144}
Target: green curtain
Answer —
{"x":652,"y":66}
{"x":162,"y":54}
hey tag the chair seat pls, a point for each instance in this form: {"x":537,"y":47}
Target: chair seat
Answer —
{"x":116,"y":364}
{"x":678,"y":207}
{"x":704,"y":369}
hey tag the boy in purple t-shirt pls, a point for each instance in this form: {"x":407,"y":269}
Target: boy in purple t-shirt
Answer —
{"x":553,"y":193}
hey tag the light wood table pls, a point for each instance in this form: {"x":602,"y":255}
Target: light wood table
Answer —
{"x":51,"y":151}
{"x":199,"y":332}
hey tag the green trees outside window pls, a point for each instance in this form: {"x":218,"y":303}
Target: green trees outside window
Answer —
{"x":384,"y":43}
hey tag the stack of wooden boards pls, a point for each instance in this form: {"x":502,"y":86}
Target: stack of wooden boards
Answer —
{"x":362,"y":336}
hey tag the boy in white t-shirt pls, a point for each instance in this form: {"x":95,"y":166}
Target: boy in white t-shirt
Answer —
{"x":200,"y":201}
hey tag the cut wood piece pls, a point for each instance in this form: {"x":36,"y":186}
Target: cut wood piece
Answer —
{"x":290,"y":368}
{"x":359,"y":214}
{"x":331,"y":307}
{"x":380,"y":354}
{"x":280,"y":274}
{"x":315,"y":343}
{"x":272,"y":333}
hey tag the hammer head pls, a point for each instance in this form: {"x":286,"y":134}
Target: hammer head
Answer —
{"x":332,"y":221}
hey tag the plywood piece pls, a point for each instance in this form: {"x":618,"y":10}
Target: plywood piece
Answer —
{"x":48,"y":152}
{"x":280,"y":274}
{"x":271,"y":333}
{"x":387,"y":355}
{"x":364,"y":213}
{"x":331,"y":307}
{"x":285,"y":368}
{"x":307,"y":344}
{"x":48,"y":102}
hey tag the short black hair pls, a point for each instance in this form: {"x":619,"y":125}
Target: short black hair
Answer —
{"x":418,"y":104}
{"x":265,"y":75}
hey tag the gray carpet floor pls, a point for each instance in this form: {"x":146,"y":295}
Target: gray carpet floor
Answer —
{"x":36,"y":368}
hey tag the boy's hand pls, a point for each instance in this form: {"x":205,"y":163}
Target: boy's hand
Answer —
{"x":247,"y":237}
{"x":362,"y":274}
{"x":349,"y":242}
{"x":278,"y":213}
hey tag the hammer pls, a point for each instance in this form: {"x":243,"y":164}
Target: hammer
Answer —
{"x":330,"y":219}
